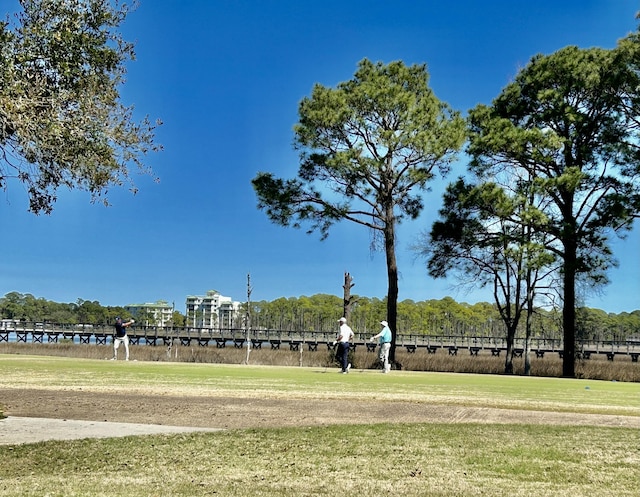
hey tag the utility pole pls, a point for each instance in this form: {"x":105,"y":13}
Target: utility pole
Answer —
{"x":248,"y":318}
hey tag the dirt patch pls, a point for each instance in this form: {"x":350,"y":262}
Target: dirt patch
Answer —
{"x":17,"y":430}
{"x":245,"y":412}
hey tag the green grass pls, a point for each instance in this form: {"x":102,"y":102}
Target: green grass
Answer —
{"x":376,"y":460}
{"x":596,"y":368}
{"x":439,"y":459}
{"x":472,"y":390}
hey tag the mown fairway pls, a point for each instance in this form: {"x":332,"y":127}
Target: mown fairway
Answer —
{"x":443,"y":458}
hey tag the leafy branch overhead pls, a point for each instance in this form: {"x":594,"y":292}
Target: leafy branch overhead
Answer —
{"x":61,"y":120}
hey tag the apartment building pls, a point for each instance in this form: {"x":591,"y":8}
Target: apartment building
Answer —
{"x":158,"y":313}
{"x":212,"y":311}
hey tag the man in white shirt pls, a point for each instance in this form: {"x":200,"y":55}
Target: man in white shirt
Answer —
{"x":345,"y":336}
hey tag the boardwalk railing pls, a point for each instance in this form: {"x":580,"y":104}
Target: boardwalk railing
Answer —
{"x":140,"y":335}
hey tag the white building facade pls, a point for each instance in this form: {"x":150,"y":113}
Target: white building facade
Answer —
{"x":158,"y":313}
{"x":211,"y":311}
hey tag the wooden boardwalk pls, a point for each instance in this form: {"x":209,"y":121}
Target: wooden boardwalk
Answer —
{"x":311,"y":340}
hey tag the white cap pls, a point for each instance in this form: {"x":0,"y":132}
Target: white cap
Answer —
{"x":384,"y":323}
{"x":342,"y":320}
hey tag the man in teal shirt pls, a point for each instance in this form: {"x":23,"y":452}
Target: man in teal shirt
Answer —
{"x":385,"y":344}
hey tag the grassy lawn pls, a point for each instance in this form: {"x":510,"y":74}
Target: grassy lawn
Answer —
{"x":439,"y":459}
{"x":407,"y":460}
{"x":472,"y":390}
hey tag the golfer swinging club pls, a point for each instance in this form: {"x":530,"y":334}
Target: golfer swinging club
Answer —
{"x":121,"y":337}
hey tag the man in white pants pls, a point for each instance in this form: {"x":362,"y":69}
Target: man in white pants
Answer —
{"x":121,"y":337}
{"x":385,"y":344}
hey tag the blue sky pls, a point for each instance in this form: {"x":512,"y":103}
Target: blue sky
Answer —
{"x":226,"y":78}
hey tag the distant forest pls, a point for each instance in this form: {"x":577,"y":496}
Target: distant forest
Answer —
{"x":321,"y":312}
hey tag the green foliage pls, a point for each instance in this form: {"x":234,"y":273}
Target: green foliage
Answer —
{"x":373,"y":142}
{"x":320,"y":313}
{"x":567,"y":128}
{"x":368,"y":148}
{"x":567,"y":122}
{"x":61,"y":120}
{"x":432,"y":317}
{"x":26,"y":307}
{"x":178,"y":319}
{"x":487,"y":236}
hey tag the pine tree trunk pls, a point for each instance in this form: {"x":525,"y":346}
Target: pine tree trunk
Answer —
{"x":569,"y":311}
{"x":392,"y":292}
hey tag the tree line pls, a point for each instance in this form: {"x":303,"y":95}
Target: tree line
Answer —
{"x":25,"y":307}
{"x":319,"y":312}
